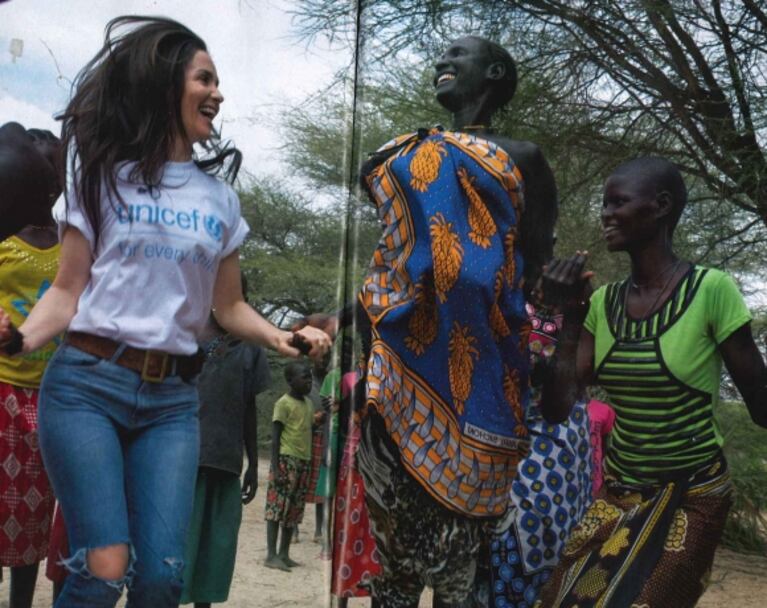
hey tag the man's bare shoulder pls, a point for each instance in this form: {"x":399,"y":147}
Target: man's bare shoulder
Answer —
{"x":521,"y":151}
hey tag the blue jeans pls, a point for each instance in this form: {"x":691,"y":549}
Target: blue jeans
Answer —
{"x":122,"y":456}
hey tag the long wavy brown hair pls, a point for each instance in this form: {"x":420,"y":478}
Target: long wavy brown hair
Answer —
{"x":126,"y":106}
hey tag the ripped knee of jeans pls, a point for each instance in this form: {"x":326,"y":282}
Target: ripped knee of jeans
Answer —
{"x":77,"y":564}
{"x":176,"y":566}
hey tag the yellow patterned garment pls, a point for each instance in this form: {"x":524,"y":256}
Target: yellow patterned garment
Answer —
{"x":26,"y":272}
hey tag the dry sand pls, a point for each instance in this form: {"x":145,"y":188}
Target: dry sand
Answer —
{"x":737,"y":580}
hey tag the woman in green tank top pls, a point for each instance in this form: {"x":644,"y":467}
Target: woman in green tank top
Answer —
{"x":655,"y":343}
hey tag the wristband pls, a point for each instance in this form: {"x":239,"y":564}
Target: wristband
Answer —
{"x":15,"y":343}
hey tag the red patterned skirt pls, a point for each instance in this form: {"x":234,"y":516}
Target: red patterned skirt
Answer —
{"x":58,"y":549}
{"x":26,"y":498}
{"x":355,"y":556}
{"x":317,"y":451}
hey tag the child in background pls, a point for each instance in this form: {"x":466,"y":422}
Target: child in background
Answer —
{"x":291,"y":463}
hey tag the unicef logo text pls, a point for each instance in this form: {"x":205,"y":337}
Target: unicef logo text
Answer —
{"x":214,"y":227}
{"x":185,"y":220}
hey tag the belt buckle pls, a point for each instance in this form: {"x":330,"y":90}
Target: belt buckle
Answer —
{"x":145,"y":375}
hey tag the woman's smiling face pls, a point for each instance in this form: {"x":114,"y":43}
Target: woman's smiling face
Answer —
{"x":628,"y":212}
{"x":201,"y":99}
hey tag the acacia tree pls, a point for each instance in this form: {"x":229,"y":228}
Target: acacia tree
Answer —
{"x":685,"y":79}
{"x":404,"y":101}
{"x":291,"y":255}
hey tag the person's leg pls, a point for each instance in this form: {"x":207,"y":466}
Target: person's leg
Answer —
{"x":274,"y":513}
{"x":318,"y":514}
{"x":397,"y":524}
{"x":161,"y":458}
{"x":82,"y":451}
{"x":284,"y":550}
{"x":23,"y":579}
{"x":272,"y":532}
{"x":57,"y":587}
{"x":299,"y":472}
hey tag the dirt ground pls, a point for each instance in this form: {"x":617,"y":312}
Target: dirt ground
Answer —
{"x":737,"y":580}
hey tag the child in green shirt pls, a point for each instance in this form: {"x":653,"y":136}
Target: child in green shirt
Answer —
{"x":291,"y":464}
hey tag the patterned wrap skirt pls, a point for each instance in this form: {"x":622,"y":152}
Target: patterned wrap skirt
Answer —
{"x":550,"y":494}
{"x":312,"y":495}
{"x":286,"y":493}
{"x":355,"y":557}
{"x":646,"y":547}
{"x":26,"y":497}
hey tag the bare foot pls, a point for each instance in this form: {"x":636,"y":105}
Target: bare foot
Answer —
{"x":276,"y":564}
{"x":289,"y":562}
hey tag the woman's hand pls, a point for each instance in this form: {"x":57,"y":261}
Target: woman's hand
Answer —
{"x":238,"y":318}
{"x":566,"y":286}
{"x":326,"y":322}
{"x":308,"y":340}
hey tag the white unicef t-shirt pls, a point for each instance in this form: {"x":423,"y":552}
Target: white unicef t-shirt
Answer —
{"x":151,"y":283}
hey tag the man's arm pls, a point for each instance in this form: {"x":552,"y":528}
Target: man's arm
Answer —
{"x":747,"y":369}
{"x":566,"y":286}
{"x":536,"y":238}
{"x":250,"y":438}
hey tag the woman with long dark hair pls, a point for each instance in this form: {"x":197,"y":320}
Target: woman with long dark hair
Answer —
{"x":149,"y":245}
{"x":655,"y":343}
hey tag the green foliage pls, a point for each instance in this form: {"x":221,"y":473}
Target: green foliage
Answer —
{"x":746,"y":453}
{"x":291,"y":258}
{"x":600,"y":82}
{"x":711,"y":232}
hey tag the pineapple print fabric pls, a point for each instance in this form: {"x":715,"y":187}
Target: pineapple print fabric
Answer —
{"x":447,"y":370}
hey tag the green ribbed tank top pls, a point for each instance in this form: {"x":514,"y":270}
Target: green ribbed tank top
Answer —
{"x":662,"y":373}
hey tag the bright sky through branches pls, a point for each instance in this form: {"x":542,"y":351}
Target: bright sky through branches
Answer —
{"x":260,"y":64}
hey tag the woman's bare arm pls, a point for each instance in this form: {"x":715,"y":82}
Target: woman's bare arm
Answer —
{"x":237,"y":317}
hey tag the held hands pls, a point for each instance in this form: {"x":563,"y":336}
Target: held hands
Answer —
{"x":9,"y":335}
{"x":5,"y":327}
{"x":320,"y":320}
{"x":308,"y":340}
{"x":566,"y":285}
{"x":319,"y":418}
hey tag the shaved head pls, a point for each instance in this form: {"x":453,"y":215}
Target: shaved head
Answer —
{"x":507,"y":86}
{"x":655,"y":175}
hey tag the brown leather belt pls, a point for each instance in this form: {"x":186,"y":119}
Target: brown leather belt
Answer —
{"x":153,"y":365}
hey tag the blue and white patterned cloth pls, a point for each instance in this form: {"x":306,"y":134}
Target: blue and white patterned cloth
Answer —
{"x":549,"y":496}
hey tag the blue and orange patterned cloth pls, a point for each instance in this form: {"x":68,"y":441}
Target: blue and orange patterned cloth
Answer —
{"x":448,"y":368}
